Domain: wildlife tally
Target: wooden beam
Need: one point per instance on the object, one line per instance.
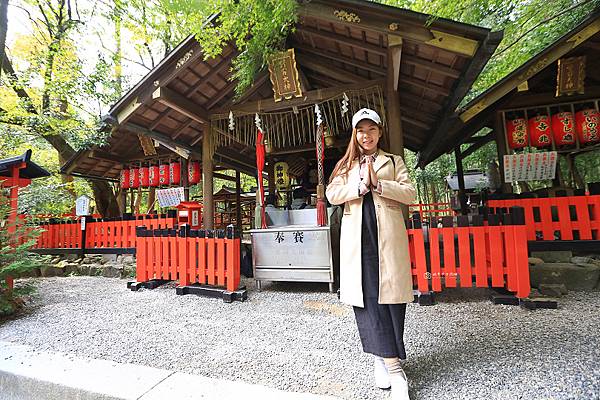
(229, 87)
(430, 66)
(477, 144)
(425, 85)
(388, 25)
(183, 126)
(159, 136)
(415, 100)
(180, 104)
(126, 113)
(224, 177)
(394, 58)
(308, 98)
(392, 99)
(415, 122)
(103, 155)
(327, 69)
(225, 61)
(532, 100)
(159, 118)
(340, 58)
(359, 44)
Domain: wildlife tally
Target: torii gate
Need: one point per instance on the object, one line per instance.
(17, 172)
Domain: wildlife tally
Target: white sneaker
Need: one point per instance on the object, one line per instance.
(399, 387)
(382, 378)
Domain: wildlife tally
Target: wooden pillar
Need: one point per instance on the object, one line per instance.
(502, 149)
(207, 182)
(184, 179)
(151, 199)
(461, 182)
(271, 173)
(238, 200)
(394, 123)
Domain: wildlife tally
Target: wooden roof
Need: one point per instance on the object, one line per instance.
(339, 44)
(539, 73)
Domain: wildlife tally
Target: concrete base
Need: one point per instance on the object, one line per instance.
(26, 373)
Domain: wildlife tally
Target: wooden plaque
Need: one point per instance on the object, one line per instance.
(284, 75)
(571, 76)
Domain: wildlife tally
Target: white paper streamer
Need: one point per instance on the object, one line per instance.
(258, 122)
(231, 121)
(318, 113)
(345, 102)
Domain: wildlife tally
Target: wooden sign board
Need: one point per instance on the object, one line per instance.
(571, 76)
(284, 75)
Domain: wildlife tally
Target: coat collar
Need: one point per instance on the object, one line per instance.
(381, 159)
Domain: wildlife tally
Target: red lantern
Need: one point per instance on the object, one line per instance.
(563, 129)
(540, 133)
(193, 172)
(586, 125)
(516, 131)
(175, 172)
(153, 176)
(144, 173)
(125, 178)
(163, 174)
(134, 178)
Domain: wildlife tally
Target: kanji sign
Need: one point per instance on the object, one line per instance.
(284, 75)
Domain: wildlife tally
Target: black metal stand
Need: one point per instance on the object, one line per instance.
(211, 291)
(151, 284)
(425, 299)
(532, 304)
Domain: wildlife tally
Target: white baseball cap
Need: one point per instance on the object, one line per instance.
(365, 113)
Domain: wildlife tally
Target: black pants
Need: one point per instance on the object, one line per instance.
(380, 326)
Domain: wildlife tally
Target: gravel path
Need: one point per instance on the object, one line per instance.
(300, 338)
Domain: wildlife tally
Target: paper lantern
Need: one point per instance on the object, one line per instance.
(163, 174)
(193, 172)
(540, 133)
(175, 172)
(134, 178)
(144, 174)
(586, 126)
(153, 176)
(125, 178)
(563, 128)
(516, 132)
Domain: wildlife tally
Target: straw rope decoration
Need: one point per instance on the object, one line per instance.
(292, 127)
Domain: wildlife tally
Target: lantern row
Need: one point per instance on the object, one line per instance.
(159, 175)
(561, 128)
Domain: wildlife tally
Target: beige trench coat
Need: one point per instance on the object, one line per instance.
(395, 279)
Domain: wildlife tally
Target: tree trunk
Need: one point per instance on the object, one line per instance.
(3, 28)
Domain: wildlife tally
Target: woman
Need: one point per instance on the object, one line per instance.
(375, 276)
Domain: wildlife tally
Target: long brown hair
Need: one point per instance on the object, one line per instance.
(353, 153)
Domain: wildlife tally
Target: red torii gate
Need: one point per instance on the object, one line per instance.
(15, 173)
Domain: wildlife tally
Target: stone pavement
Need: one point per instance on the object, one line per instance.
(27, 374)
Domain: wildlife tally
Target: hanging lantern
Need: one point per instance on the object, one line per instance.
(563, 128)
(516, 131)
(282, 178)
(153, 175)
(125, 178)
(144, 174)
(586, 125)
(175, 172)
(193, 172)
(329, 138)
(540, 133)
(163, 174)
(134, 178)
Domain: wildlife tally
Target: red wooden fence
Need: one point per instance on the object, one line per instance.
(492, 255)
(99, 233)
(558, 218)
(189, 256)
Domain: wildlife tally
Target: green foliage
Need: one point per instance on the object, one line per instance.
(15, 255)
